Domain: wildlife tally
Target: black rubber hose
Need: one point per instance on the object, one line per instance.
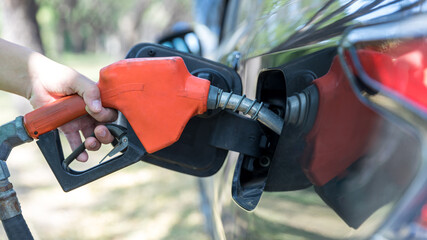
(16, 228)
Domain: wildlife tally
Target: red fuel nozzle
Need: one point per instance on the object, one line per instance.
(158, 96)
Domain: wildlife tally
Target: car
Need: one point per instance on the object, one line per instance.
(348, 77)
(336, 143)
(336, 146)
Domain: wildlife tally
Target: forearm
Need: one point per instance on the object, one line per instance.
(41, 80)
(15, 75)
(20, 67)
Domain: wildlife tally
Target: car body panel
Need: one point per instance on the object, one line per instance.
(268, 34)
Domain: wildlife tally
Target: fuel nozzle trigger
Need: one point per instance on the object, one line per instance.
(125, 141)
(120, 143)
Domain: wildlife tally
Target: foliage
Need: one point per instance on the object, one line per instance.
(105, 25)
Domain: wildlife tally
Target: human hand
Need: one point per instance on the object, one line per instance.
(51, 81)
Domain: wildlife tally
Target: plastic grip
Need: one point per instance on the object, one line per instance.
(54, 115)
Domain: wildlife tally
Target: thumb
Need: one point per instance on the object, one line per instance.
(89, 91)
(92, 98)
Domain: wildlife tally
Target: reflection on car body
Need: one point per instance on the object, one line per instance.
(348, 78)
(348, 172)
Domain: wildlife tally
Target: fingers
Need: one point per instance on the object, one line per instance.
(105, 115)
(92, 144)
(71, 132)
(103, 136)
(92, 97)
(89, 91)
(87, 126)
(74, 140)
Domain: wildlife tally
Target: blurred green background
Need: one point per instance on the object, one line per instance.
(139, 202)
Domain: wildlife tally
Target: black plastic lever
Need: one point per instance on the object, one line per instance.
(115, 130)
(50, 145)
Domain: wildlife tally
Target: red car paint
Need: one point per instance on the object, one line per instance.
(344, 125)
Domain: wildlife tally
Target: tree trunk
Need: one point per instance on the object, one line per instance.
(20, 25)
